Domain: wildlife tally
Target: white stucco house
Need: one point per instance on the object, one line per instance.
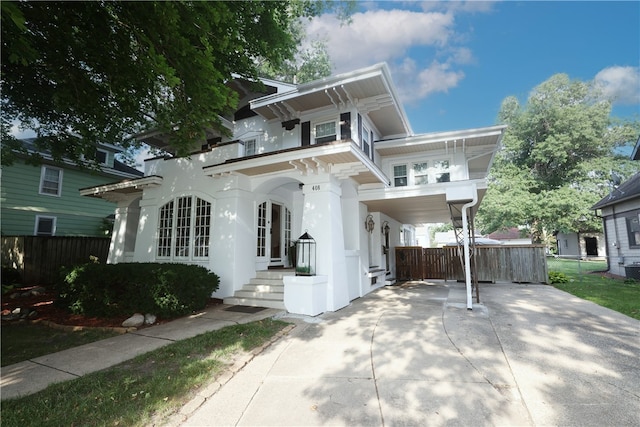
(335, 158)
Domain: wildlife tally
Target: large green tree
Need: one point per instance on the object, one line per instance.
(558, 155)
(78, 73)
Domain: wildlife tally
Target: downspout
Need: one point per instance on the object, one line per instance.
(467, 255)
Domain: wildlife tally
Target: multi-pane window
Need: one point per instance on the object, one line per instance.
(165, 230)
(326, 132)
(420, 173)
(184, 228)
(250, 147)
(441, 170)
(400, 175)
(50, 181)
(287, 231)
(45, 225)
(261, 243)
(365, 140)
(202, 228)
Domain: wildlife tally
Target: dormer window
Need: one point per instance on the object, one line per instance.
(250, 147)
(101, 157)
(326, 132)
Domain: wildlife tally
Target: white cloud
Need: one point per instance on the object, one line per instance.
(414, 84)
(379, 35)
(391, 36)
(620, 85)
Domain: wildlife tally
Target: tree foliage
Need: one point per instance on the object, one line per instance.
(79, 73)
(556, 161)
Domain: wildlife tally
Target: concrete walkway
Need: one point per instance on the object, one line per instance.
(407, 355)
(413, 355)
(36, 374)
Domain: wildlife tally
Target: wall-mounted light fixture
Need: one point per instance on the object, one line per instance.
(385, 227)
(369, 223)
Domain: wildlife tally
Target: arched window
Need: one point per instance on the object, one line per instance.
(184, 228)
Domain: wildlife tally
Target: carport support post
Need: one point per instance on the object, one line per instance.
(467, 255)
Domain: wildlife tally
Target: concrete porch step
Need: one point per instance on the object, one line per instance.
(272, 296)
(254, 302)
(264, 287)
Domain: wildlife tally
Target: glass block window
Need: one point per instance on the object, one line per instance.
(326, 132)
(51, 181)
(420, 173)
(400, 176)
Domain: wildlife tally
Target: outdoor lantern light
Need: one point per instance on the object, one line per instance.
(369, 223)
(306, 255)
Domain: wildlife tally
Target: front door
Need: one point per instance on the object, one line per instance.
(273, 234)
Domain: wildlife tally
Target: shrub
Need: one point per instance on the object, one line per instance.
(10, 276)
(558, 277)
(166, 290)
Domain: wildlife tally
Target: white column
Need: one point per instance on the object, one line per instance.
(322, 219)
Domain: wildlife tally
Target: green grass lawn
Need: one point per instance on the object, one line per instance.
(24, 341)
(585, 282)
(143, 391)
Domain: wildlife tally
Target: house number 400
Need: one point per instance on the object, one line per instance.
(315, 188)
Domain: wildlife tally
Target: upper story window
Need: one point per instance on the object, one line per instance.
(420, 173)
(101, 157)
(51, 181)
(184, 228)
(366, 146)
(400, 176)
(250, 147)
(441, 171)
(326, 132)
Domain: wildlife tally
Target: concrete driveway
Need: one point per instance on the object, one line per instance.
(413, 355)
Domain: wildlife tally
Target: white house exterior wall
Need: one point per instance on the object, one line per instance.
(330, 199)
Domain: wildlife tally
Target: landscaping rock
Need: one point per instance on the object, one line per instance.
(150, 319)
(134, 321)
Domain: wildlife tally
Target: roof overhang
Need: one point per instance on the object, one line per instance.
(160, 139)
(123, 189)
(418, 204)
(343, 159)
(370, 90)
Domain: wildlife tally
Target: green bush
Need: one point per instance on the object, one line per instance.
(558, 277)
(166, 290)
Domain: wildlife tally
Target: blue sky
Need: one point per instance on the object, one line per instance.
(454, 62)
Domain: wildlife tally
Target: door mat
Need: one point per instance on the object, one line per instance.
(244, 309)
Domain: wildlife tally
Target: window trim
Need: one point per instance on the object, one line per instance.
(106, 157)
(54, 221)
(42, 180)
(168, 229)
(405, 176)
(253, 142)
(433, 174)
(631, 234)
(336, 128)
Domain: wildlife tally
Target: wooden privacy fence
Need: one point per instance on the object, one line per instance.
(39, 258)
(520, 264)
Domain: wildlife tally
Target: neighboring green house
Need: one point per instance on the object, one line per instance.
(45, 200)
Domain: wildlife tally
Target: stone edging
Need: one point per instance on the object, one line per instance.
(72, 328)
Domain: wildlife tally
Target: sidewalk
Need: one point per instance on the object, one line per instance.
(36, 374)
(406, 355)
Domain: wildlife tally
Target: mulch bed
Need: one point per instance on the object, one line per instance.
(47, 310)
